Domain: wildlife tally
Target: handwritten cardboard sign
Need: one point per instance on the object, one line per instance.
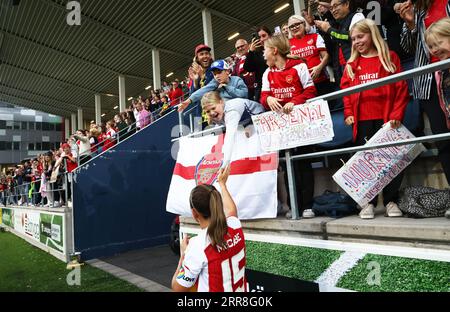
(366, 174)
(307, 124)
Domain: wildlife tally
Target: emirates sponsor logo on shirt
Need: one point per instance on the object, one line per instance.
(303, 52)
(366, 78)
(283, 93)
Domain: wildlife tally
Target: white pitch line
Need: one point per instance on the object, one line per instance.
(339, 268)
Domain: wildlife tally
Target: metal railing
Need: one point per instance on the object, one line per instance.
(11, 196)
(289, 158)
(130, 130)
(20, 195)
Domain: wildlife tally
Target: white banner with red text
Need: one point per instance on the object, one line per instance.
(307, 124)
(366, 174)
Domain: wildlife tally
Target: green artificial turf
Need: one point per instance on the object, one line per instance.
(398, 274)
(24, 267)
(291, 261)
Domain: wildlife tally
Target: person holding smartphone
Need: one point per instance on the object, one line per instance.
(255, 58)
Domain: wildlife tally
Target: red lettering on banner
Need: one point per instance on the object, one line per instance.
(370, 158)
(284, 120)
(366, 170)
(353, 177)
(304, 114)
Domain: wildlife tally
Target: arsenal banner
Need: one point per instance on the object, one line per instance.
(252, 181)
(307, 124)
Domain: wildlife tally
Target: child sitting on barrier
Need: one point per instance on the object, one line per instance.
(437, 37)
(287, 82)
(368, 110)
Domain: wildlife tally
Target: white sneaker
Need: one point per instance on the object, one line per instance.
(367, 212)
(392, 210)
(308, 214)
(56, 204)
(288, 215)
(447, 214)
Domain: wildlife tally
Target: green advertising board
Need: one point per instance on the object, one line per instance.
(52, 231)
(8, 217)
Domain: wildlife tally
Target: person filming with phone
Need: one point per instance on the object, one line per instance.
(255, 58)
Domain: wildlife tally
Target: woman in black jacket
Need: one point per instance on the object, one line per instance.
(255, 61)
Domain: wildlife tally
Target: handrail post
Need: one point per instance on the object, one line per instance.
(66, 184)
(180, 119)
(291, 184)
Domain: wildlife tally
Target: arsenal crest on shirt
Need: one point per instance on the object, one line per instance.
(289, 79)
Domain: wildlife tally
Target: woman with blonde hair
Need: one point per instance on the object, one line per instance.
(231, 114)
(369, 110)
(311, 48)
(287, 83)
(437, 37)
(419, 15)
(284, 74)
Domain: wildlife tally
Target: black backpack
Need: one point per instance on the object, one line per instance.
(424, 202)
(334, 204)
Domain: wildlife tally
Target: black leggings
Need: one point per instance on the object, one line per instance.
(438, 125)
(366, 129)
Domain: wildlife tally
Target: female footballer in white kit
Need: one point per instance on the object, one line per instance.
(213, 261)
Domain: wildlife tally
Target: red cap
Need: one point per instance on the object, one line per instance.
(201, 47)
(65, 145)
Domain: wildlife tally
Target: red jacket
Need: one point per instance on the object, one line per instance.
(175, 96)
(290, 84)
(395, 96)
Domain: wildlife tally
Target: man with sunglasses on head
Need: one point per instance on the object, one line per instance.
(242, 48)
(339, 33)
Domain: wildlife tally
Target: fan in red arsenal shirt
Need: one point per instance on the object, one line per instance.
(311, 48)
(368, 110)
(286, 82)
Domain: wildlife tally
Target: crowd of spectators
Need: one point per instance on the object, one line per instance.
(329, 46)
(340, 48)
(41, 181)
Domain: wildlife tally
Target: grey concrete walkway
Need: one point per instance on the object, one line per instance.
(150, 269)
(125, 275)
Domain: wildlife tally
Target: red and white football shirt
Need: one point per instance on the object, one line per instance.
(290, 84)
(215, 269)
(308, 48)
